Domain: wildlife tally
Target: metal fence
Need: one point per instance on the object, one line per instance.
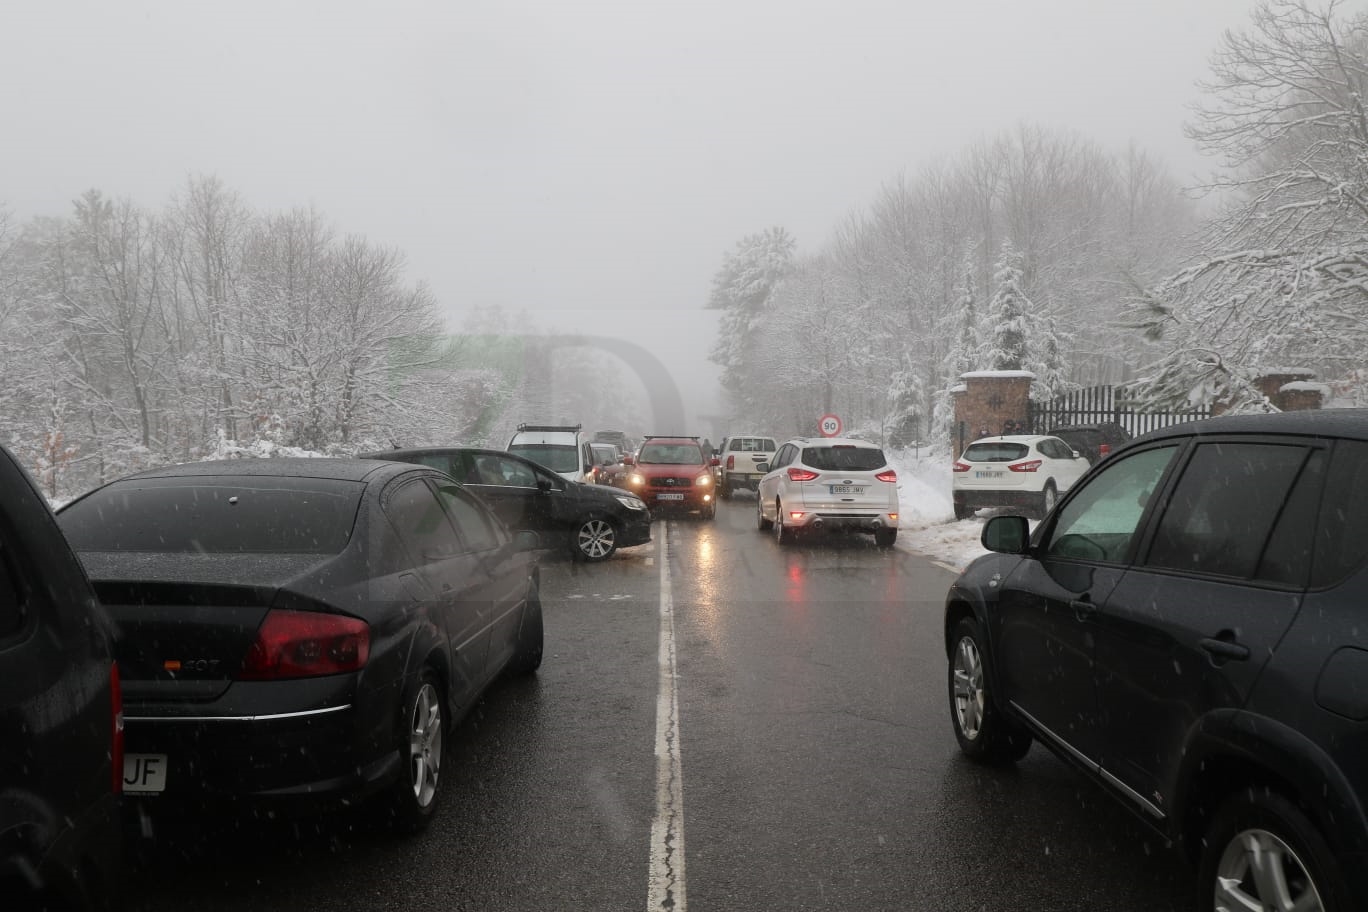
(1098, 404)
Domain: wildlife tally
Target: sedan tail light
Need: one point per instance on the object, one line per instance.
(1103, 449)
(797, 474)
(1025, 466)
(116, 740)
(960, 467)
(305, 644)
(887, 475)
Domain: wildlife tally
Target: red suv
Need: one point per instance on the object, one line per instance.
(673, 473)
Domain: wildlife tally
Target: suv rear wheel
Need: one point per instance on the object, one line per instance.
(1262, 852)
(760, 522)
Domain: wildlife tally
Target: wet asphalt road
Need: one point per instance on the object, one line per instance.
(818, 766)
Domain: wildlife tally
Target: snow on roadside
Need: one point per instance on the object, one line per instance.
(927, 524)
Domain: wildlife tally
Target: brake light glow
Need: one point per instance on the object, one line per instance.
(796, 515)
(1025, 466)
(960, 467)
(305, 644)
(116, 741)
(731, 463)
(1103, 449)
(887, 475)
(797, 474)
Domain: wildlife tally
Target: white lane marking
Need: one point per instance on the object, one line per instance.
(665, 886)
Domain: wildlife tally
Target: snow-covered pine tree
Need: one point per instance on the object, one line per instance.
(1008, 313)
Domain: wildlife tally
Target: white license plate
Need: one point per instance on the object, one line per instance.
(847, 489)
(143, 773)
(676, 496)
(990, 474)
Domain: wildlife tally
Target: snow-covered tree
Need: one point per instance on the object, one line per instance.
(1008, 314)
(742, 289)
(1281, 274)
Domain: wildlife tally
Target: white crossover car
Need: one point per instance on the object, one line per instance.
(829, 484)
(1018, 470)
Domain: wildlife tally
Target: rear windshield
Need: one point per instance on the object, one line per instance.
(671, 454)
(995, 452)
(848, 458)
(215, 516)
(555, 457)
(751, 444)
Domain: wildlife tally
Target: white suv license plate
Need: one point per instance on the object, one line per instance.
(847, 489)
(675, 496)
(990, 474)
(144, 773)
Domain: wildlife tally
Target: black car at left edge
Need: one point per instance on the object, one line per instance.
(590, 521)
(302, 628)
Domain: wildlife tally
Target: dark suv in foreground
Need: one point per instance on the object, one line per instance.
(61, 722)
(1188, 628)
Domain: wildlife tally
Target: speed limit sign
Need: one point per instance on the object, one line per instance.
(829, 426)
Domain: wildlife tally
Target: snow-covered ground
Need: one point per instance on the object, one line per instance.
(928, 525)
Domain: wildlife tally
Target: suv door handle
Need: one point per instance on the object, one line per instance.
(1083, 608)
(1223, 648)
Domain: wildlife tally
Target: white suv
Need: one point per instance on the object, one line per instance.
(564, 449)
(1020, 470)
(828, 483)
(742, 455)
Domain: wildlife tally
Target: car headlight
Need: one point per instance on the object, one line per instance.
(636, 480)
(632, 503)
(704, 479)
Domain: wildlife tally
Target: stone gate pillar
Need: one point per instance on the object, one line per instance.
(989, 403)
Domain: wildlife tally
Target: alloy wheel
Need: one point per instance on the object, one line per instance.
(425, 744)
(1258, 871)
(969, 693)
(596, 539)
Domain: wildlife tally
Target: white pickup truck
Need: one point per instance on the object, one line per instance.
(741, 455)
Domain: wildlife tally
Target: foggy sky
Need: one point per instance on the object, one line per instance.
(586, 161)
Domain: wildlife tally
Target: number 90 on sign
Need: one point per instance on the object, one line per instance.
(829, 425)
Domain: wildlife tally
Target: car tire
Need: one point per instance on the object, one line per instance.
(593, 539)
(710, 511)
(983, 733)
(885, 538)
(962, 511)
(725, 491)
(783, 533)
(1048, 498)
(528, 656)
(1259, 827)
(418, 790)
(761, 523)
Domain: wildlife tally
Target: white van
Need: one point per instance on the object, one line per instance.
(564, 449)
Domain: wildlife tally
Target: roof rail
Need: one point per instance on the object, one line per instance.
(670, 436)
(549, 427)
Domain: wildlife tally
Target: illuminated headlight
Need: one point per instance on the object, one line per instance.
(704, 480)
(635, 480)
(631, 503)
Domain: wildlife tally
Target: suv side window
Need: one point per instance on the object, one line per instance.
(1342, 534)
(1223, 510)
(784, 456)
(1100, 521)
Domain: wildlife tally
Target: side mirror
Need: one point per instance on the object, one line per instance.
(1006, 535)
(1076, 454)
(526, 540)
(543, 486)
(762, 468)
(628, 460)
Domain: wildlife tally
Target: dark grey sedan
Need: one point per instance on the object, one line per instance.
(302, 628)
